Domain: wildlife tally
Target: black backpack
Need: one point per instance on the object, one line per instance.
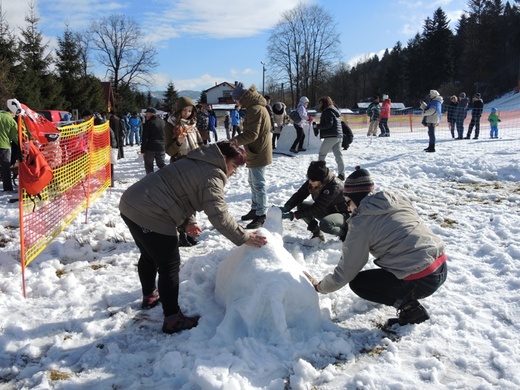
(348, 135)
(295, 116)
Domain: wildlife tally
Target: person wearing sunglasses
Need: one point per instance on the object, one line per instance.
(411, 258)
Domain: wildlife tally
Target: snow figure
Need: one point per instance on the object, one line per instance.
(264, 291)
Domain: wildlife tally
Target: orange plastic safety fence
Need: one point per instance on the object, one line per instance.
(409, 126)
(80, 161)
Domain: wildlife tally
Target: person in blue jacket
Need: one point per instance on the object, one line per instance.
(235, 121)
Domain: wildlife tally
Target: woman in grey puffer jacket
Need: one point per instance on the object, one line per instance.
(156, 205)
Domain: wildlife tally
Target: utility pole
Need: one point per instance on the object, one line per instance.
(263, 77)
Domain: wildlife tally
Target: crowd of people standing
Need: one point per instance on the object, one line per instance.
(160, 210)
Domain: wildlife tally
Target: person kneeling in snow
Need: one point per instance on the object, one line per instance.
(156, 205)
(411, 257)
(327, 206)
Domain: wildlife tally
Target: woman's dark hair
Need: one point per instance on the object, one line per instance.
(325, 102)
(232, 151)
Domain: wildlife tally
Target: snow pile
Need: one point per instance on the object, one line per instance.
(265, 293)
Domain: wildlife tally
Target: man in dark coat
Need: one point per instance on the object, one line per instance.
(152, 143)
(477, 107)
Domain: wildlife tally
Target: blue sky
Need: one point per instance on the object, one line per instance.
(201, 43)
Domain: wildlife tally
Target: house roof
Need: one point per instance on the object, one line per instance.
(224, 83)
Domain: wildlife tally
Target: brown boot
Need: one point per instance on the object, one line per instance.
(177, 322)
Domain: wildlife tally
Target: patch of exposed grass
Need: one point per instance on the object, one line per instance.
(448, 222)
(110, 224)
(59, 375)
(373, 351)
(4, 241)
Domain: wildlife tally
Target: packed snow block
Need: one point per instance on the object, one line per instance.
(265, 294)
(288, 135)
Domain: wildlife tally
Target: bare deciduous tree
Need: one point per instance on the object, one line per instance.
(122, 48)
(303, 48)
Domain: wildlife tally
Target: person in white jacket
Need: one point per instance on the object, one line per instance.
(298, 126)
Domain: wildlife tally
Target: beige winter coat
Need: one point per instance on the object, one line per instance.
(256, 136)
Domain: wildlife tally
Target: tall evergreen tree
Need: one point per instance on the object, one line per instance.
(437, 46)
(36, 86)
(415, 69)
(170, 97)
(69, 67)
(395, 78)
(8, 58)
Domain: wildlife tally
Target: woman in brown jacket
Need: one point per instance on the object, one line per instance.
(156, 205)
(181, 135)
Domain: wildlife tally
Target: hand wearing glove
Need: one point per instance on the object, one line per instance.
(313, 281)
(285, 209)
(289, 215)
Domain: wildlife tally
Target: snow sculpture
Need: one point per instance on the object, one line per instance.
(265, 293)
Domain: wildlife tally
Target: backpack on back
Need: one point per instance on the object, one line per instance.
(348, 135)
(295, 116)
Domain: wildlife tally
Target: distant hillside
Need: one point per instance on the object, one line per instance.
(159, 95)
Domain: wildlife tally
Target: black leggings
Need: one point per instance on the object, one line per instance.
(381, 286)
(300, 137)
(159, 254)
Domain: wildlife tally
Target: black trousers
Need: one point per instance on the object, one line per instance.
(159, 255)
(236, 130)
(381, 286)
(5, 162)
(475, 123)
(300, 137)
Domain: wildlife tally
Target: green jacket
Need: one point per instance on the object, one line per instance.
(256, 136)
(8, 130)
(169, 197)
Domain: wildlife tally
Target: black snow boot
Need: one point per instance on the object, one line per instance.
(412, 312)
(430, 148)
(249, 216)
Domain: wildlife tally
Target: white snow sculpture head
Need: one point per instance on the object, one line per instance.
(265, 293)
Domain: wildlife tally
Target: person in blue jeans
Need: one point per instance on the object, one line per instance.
(432, 117)
(235, 121)
(135, 129)
(212, 125)
(256, 138)
(411, 258)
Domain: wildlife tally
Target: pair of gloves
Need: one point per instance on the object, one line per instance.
(286, 213)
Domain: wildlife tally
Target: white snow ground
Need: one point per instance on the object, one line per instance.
(81, 325)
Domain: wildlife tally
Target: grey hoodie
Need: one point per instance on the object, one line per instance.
(387, 227)
(167, 198)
